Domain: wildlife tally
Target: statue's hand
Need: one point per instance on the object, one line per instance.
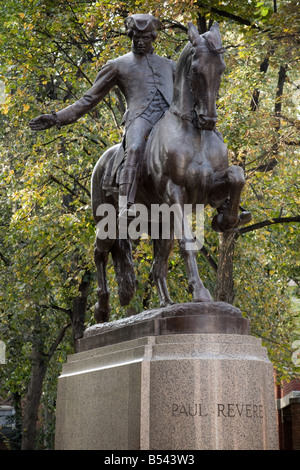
(40, 123)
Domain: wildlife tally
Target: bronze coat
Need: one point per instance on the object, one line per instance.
(137, 76)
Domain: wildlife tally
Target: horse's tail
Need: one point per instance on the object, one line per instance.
(120, 249)
(124, 271)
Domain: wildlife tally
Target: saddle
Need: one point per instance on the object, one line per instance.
(111, 176)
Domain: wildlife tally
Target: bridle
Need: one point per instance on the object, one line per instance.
(192, 116)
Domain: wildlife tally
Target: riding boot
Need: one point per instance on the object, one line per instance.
(127, 192)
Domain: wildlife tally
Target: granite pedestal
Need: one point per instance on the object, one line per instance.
(168, 380)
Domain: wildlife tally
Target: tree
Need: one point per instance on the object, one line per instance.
(46, 276)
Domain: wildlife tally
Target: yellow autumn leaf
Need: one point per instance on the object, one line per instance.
(26, 107)
(5, 110)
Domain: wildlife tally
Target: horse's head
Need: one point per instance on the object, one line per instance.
(206, 69)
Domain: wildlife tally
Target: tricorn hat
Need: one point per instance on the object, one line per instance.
(142, 23)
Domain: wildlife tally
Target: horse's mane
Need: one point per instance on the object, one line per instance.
(184, 57)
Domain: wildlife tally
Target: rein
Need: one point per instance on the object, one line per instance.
(184, 117)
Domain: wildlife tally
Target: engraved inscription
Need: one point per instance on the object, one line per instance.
(189, 409)
(246, 410)
(221, 410)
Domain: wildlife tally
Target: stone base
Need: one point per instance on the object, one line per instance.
(165, 392)
(190, 317)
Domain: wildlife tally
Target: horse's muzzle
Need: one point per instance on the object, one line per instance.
(207, 123)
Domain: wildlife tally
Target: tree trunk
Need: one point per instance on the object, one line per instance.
(282, 75)
(40, 362)
(79, 307)
(39, 365)
(224, 291)
(15, 443)
(38, 372)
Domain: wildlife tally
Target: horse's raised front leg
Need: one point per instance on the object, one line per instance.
(187, 245)
(102, 307)
(228, 217)
(159, 270)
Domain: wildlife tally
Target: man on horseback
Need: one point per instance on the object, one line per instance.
(146, 81)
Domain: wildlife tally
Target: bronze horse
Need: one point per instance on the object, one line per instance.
(185, 162)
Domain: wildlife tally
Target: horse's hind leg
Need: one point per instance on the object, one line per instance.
(159, 271)
(102, 307)
(122, 257)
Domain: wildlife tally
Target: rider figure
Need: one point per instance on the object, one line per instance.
(146, 81)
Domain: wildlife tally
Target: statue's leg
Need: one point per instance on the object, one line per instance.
(102, 307)
(126, 198)
(228, 218)
(187, 244)
(159, 271)
(136, 136)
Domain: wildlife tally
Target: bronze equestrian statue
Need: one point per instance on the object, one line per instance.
(182, 159)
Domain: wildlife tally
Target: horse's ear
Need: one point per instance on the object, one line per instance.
(214, 27)
(193, 33)
(215, 30)
(213, 36)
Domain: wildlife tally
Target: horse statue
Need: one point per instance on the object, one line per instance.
(185, 162)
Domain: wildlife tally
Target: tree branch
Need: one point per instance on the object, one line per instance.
(229, 15)
(264, 223)
(171, 24)
(209, 258)
(282, 74)
(55, 180)
(68, 311)
(50, 261)
(4, 259)
(57, 341)
(74, 179)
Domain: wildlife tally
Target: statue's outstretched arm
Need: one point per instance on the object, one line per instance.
(104, 82)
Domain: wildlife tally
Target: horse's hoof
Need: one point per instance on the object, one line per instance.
(166, 303)
(101, 315)
(203, 296)
(245, 217)
(219, 225)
